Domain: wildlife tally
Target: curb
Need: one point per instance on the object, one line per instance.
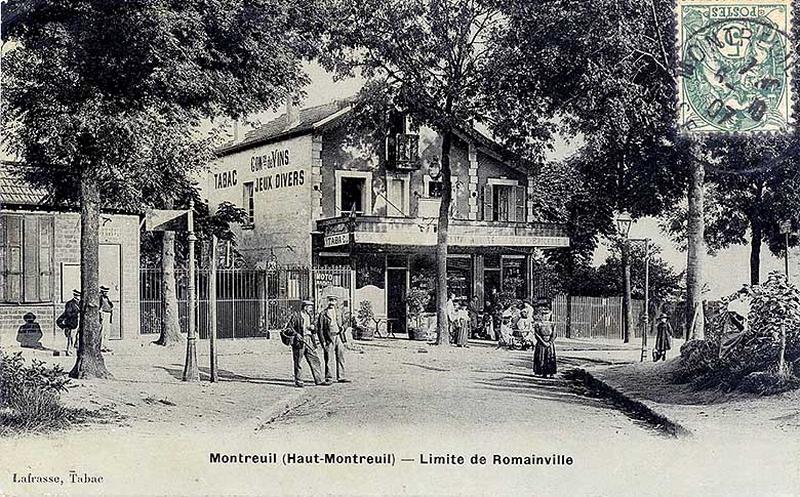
(278, 409)
(632, 407)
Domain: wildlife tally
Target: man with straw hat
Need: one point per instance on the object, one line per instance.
(332, 327)
(69, 319)
(304, 343)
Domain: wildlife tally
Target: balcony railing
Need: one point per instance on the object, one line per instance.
(464, 233)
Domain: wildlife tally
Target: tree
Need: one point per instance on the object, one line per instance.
(604, 71)
(91, 88)
(432, 59)
(749, 193)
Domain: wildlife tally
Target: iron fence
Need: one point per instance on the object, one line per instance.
(250, 302)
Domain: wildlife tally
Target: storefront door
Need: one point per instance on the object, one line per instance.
(396, 299)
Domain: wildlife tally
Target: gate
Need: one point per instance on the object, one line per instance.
(241, 302)
(250, 302)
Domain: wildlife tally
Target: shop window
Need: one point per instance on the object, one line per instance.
(459, 276)
(353, 192)
(249, 204)
(513, 274)
(26, 265)
(370, 270)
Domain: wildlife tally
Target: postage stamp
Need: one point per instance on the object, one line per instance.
(735, 70)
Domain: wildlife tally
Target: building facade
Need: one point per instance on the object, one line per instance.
(40, 265)
(322, 188)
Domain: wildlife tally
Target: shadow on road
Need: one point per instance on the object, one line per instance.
(229, 376)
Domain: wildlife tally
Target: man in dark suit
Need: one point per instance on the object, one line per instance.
(332, 327)
(304, 343)
(70, 319)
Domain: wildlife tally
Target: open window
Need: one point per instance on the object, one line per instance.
(353, 192)
(503, 200)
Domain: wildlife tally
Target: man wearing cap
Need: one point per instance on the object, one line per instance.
(69, 319)
(106, 306)
(332, 328)
(304, 343)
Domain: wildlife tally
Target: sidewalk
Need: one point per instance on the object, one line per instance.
(707, 414)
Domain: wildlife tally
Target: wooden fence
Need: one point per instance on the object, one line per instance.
(596, 317)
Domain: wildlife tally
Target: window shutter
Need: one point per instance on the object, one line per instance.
(30, 255)
(488, 203)
(13, 240)
(3, 274)
(520, 200)
(45, 259)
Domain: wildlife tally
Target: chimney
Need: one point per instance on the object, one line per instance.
(292, 113)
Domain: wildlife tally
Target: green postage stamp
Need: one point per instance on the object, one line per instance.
(736, 63)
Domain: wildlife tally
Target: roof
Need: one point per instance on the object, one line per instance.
(15, 189)
(312, 118)
(275, 130)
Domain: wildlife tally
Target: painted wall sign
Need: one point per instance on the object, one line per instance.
(225, 179)
(275, 158)
(279, 180)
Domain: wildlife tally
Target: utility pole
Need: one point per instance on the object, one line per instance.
(646, 298)
(190, 370)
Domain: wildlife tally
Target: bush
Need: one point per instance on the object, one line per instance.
(16, 379)
(751, 365)
(776, 309)
(29, 394)
(768, 383)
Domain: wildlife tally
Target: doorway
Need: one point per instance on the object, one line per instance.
(396, 300)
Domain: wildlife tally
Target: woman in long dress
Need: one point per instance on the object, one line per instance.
(544, 353)
(663, 338)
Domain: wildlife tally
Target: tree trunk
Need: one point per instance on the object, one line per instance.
(782, 369)
(627, 314)
(696, 251)
(170, 327)
(755, 251)
(89, 362)
(442, 325)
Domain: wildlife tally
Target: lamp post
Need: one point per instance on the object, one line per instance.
(190, 370)
(624, 222)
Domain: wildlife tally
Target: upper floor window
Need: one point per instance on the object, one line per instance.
(397, 195)
(26, 258)
(249, 203)
(503, 200)
(353, 192)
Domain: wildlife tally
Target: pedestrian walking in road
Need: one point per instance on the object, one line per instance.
(663, 338)
(69, 320)
(304, 343)
(462, 323)
(544, 352)
(106, 307)
(332, 328)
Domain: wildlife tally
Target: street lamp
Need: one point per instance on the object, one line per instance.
(624, 222)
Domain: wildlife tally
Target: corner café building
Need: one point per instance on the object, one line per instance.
(300, 176)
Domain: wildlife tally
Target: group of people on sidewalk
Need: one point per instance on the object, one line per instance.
(305, 332)
(515, 327)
